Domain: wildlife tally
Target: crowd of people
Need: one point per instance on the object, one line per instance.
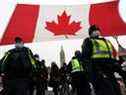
(92, 68)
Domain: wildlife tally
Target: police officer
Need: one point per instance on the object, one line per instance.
(97, 54)
(80, 83)
(17, 66)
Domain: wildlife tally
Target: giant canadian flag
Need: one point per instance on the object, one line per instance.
(35, 23)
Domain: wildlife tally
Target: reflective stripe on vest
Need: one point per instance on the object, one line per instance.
(6, 56)
(76, 66)
(101, 50)
(31, 59)
(3, 62)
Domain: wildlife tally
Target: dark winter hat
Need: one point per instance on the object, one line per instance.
(77, 53)
(93, 28)
(18, 39)
(43, 61)
(36, 56)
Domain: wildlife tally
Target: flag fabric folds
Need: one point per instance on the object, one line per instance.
(35, 23)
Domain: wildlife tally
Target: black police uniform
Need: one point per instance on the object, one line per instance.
(17, 67)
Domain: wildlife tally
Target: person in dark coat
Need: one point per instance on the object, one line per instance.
(54, 77)
(97, 54)
(80, 83)
(17, 66)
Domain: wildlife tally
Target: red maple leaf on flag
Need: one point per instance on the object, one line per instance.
(63, 27)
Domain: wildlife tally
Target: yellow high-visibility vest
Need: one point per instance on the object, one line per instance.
(102, 49)
(76, 66)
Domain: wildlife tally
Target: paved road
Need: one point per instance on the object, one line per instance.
(51, 93)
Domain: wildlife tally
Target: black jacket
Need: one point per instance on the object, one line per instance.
(41, 71)
(18, 63)
(95, 64)
(107, 65)
(87, 50)
(54, 74)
